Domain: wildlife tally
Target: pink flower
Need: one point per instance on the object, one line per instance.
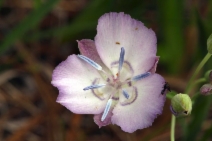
(114, 78)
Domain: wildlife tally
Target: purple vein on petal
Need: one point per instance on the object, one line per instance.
(107, 108)
(121, 58)
(141, 76)
(91, 62)
(94, 87)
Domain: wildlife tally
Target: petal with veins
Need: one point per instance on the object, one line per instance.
(106, 121)
(153, 69)
(70, 77)
(87, 48)
(142, 112)
(116, 30)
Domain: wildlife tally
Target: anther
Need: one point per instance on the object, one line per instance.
(91, 62)
(141, 76)
(107, 108)
(121, 58)
(126, 95)
(94, 87)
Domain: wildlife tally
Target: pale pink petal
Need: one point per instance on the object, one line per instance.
(116, 30)
(142, 112)
(88, 48)
(107, 120)
(70, 77)
(153, 69)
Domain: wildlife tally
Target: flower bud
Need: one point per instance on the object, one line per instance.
(181, 105)
(209, 44)
(206, 89)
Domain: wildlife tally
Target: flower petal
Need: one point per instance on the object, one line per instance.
(70, 77)
(116, 30)
(87, 48)
(107, 120)
(153, 69)
(141, 112)
(97, 119)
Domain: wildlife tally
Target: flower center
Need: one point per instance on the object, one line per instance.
(122, 83)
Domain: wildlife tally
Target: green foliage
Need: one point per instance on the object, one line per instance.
(171, 23)
(199, 114)
(27, 23)
(209, 44)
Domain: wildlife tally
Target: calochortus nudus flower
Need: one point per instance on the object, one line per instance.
(114, 77)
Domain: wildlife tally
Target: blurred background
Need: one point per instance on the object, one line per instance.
(36, 35)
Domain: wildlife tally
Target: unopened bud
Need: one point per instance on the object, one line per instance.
(206, 89)
(181, 105)
(209, 44)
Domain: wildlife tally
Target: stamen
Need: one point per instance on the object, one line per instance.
(91, 62)
(94, 87)
(141, 76)
(121, 58)
(107, 108)
(132, 98)
(126, 95)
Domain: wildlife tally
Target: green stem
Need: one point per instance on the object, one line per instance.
(202, 63)
(189, 87)
(201, 80)
(173, 127)
(198, 81)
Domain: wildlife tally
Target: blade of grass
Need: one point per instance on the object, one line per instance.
(26, 24)
(171, 23)
(87, 20)
(207, 134)
(199, 114)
